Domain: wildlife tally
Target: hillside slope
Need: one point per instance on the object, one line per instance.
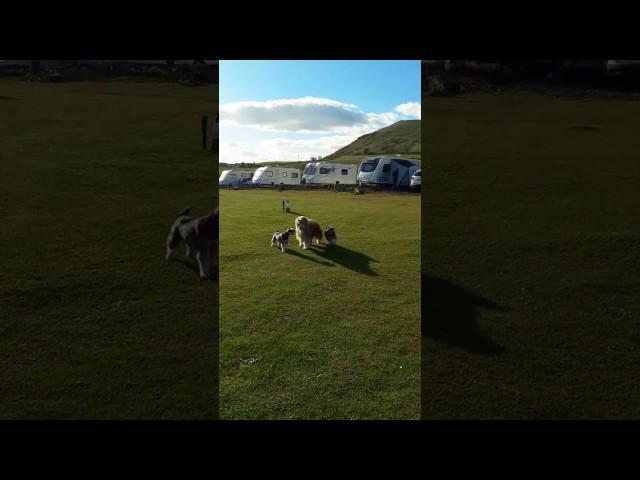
(401, 137)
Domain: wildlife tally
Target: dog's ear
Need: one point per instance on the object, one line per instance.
(184, 212)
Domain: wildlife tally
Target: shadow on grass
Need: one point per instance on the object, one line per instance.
(345, 257)
(449, 314)
(291, 251)
(193, 266)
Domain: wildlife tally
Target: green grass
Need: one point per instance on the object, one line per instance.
(532, 258)
(93, 322)
(331, 332)
(403, 136)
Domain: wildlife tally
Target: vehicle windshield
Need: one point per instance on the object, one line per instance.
(309, 170)
(369, 165)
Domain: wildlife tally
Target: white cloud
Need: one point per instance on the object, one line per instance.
(410, 109)
(307, 114)
(287, 149)
(297, 129)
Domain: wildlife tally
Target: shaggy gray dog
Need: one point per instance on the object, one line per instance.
(200, 236)
(307, 230)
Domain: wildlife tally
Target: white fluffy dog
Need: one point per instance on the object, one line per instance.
(306, 231)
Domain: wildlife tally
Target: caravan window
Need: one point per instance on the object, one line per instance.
(370, 165)
(325, 170)
(345, 171)
(284, 174)
(294, 174)
(268, 173)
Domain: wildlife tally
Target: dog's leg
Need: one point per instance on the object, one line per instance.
(202, 259)
(173, 240)
(283, 246)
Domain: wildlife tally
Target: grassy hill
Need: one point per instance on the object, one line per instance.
(401, 137)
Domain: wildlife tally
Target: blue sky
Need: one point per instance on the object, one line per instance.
(285, 110)
(375, 86)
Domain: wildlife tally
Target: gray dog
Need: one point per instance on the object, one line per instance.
(200, 236)
(281, 239)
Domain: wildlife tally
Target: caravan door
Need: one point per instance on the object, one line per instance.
(385, 172)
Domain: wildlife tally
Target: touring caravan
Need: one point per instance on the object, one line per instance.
(392, 171)
(330, 173)
(234, 177)
(277, 176)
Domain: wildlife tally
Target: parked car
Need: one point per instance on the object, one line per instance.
(416, 180)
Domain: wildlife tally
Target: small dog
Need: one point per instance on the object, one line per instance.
(306, 231)
(330, 235)
(281, 239)
(200, 236)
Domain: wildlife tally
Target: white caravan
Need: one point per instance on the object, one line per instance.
(330, 173)
(387, 171)
(277, 176)
(234, 177)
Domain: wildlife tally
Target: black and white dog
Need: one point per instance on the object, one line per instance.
(200, 236)
(281, 239)
(330, 235)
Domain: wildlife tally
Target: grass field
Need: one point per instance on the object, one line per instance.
(331, 332)
(531, 258)
(93, 323)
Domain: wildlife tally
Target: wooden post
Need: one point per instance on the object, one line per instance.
(205, 120)
(215, 138)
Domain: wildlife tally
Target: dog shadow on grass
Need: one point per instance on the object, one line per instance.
(193, 266)
(450, 315)
(291, 251)
(347, 258)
